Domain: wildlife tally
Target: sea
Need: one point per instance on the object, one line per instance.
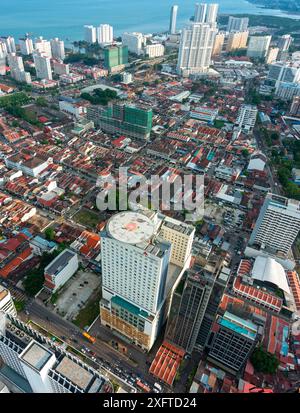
(65, 18)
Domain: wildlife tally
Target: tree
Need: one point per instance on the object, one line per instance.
(245, 153)
(50, 234)
(34, 282)
(41, 101)
(264, 362)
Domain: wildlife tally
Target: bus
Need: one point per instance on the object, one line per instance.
(143, 386)
(89, 337)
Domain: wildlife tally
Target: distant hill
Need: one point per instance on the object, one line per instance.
(286, 5)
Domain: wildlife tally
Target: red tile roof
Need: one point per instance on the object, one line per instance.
(166, 362)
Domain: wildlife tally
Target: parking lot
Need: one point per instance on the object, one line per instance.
(76, 293)
(224, 215)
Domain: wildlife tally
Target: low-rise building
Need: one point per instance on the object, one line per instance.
(6, 302)
(60, 270)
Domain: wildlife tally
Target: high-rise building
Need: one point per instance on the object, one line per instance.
(295, 106)
(139, 273)
(6, 302)
(221, 279)
(218, 44)
(281, 72)
(90, 34)
(3, 49)
(17, 71)
(206, 13)
(105, 34)
(236, 41)
(43, 46)
(272, 55)
(173, 19)
(115, 56)
(234, 339)
(284, 42)
(247, 116)
(258, 46)
(195, 50)
(10, 44)
(134, 274)
(134, 41)
(287, 90)
(181, 236)
(197, 41)
(189, 302)
(42, 66)
(277, 225)
(237, 24)
(58, 49)
(26, 46)
(121, 118)
(37, 365)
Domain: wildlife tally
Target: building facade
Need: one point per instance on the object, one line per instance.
(134, 41)
(173, 19)
(41, 366)
(26, 46)
(122, 118)
(197, 41)
(60, 270)
(236, 41)
(237, 24)
(90, 34)
(258, 46)
(277, 225)
(58, 49)
(234, 339)
(6, 302)
(105, 34)
(42, 66)
(134, 273)
(115, 56)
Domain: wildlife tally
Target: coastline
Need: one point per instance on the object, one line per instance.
(263, 6)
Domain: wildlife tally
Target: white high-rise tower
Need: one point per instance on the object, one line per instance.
(105, 34)
(58, 49)
(90, 34)
(173, 19)
(277, 225)
(197, 41)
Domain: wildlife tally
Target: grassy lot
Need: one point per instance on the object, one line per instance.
(87, 218)
(88, 314)
(219, 124)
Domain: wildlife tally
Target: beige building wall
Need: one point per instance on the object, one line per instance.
(218, 45)
(272, 55)
(237, 41)
(181, 237)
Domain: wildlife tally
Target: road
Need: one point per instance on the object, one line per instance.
(108, 357)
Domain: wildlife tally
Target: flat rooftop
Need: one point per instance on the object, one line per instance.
(178, 226)
(130, 227)
(36, 355)
(60, 262)
(74, 372)
(239, 325)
